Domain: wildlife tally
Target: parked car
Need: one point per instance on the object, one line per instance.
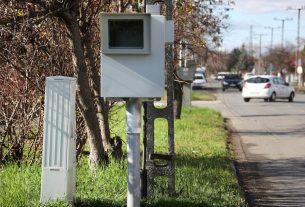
(199, 81)
(267, 87)
(232, 81)
(221, 75)
(200, 70)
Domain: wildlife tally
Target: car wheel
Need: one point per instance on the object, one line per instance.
(265, 99)
(246, 99)
(272, 97)
(291, 97)
(223, 89)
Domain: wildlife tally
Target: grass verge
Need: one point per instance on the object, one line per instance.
(203, 173)
(299, 89)
(203, 96)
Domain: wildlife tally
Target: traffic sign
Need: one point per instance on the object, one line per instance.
(299, 69)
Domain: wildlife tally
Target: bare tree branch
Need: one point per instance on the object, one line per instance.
(21, 72)
(32, 16)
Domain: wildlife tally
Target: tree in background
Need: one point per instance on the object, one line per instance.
(282, 59)
(239, 60)
(234, 58)
(216, 61)
(198, 26)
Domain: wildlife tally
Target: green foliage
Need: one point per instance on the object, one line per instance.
(233, 58)
(242, 60)
(238, 60)
(203, 173)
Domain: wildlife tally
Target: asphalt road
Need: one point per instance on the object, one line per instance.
(270, 144)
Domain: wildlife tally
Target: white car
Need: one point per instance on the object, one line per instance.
(268, 88)
(221, 75)
(199, 81)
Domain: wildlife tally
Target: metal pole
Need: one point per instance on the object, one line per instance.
(251, 41)
(298, 37)
(260, 53)
(249, 49)
(283, 24)
(298, 49)
(133, 127)
(298, 61)
(271, 39)
(271, 43)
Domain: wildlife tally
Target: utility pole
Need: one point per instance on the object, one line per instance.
(260, 53)
(283, 26)
(298, 59)
(251, 41)
(271, 40)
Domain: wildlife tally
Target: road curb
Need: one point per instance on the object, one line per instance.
(244, 172)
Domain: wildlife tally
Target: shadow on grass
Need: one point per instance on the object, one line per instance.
(95, 203)
(174, 203)
(215, 162)
(161, 203)
(194, 168)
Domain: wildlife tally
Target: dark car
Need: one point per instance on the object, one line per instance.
(232, 81)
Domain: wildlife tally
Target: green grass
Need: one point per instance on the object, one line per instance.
(203, 96)
(203, 173)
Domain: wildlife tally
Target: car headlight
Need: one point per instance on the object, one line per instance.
(225, 83)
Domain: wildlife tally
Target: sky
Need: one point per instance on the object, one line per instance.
(261, 14)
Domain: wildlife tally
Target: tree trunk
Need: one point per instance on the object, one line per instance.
(177, 99)
(102, 106)
(87, 107)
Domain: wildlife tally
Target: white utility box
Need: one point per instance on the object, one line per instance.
(133, 55)
(59, 140)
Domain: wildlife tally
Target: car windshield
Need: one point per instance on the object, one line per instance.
(232, 77)
(198, 77)
(258, 80)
